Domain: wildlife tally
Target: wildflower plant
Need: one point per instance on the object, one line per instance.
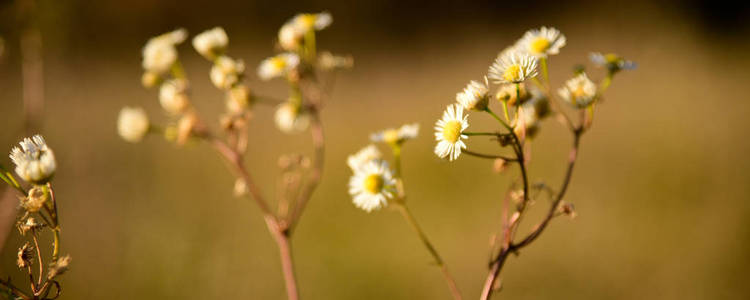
(35, 166)
(522, 90)
(298, 64)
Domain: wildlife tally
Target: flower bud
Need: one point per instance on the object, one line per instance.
(36, 198)
(132, 124)
(211, 43)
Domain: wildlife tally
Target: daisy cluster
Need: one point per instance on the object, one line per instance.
(163, 69)
(524, 96)
(373, 182)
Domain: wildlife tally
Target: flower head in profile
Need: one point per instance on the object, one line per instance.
(363, 156)
(449, 132)
(173, 96)
(541, 42)
(226, 72)
(35, 162)
(132, 124)
(372, 185)
(211, 43)
(579, 91)
(238, 99)
(278, 66)
(396, 136)
(475, 96)
(513, 67)
(532, 112)
(613, 62)
(294, 30)
(328, 61)
(291, 118)
(160, 54)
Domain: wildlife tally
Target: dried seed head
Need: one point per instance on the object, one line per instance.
(38, 195)
(25, 256)
(29, 224)
(567, 209)
(59, 267)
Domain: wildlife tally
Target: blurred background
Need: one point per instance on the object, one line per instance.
(661, 188)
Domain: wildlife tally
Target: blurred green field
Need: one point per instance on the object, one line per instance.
(661, 188)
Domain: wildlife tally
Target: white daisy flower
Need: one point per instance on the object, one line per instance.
(541, 42)
(372, 185)
(160, 54)
(449, 132)
(132, 124)
(475, 96)
(290, 118)
(35, 162)
(173, 96)
(395, 136)
(363, 156)
(579, 91)
(612, 62)
(289, 37)
(307, 22)
(226, 72)
(211, 43)
(513, 67)
(277, 66)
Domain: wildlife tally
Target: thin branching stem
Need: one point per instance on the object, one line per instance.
(489, 156)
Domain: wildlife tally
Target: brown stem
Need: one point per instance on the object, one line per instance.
(513, 247)
(39, 258)
(318, 141)
(279, 233)
(14, 289)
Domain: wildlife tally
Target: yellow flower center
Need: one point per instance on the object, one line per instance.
(374, 183)
(578, 92)
(611, 58)
(307, 21)
(390, 136)
(512, 73)
(539, 45)
(452, 131)
(278, 63)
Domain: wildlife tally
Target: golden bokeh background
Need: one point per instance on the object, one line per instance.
(661, 187)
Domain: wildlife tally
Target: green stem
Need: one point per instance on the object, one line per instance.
(545, 74)
(489, 111)
(397, 160)
(430, 248)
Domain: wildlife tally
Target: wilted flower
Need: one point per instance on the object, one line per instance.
(328, 61)
(25, 255)
(372, 185)
(475, 96)
(160, 54)
(579, 91)
(395, 136)
(36, 198)
(29, 224)
(35, 162)
(226, 72)
(363, 156)
(132, 124)
(613, 62)
(59, 267)
(513, 67)
(449, 132)
(173, 96)
(541, 42)
(277, 66)
(291, 118)
(211, 43)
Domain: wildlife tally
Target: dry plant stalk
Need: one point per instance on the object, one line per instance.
(35, 164)
(525, 100)
(303, 69)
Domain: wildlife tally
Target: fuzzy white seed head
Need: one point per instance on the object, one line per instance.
(34, 160)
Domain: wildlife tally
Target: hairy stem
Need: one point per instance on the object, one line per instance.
(318, 141)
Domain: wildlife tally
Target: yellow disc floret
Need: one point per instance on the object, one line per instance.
(452, 131)
(373, 183)
(512, 73)
(539, 45)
